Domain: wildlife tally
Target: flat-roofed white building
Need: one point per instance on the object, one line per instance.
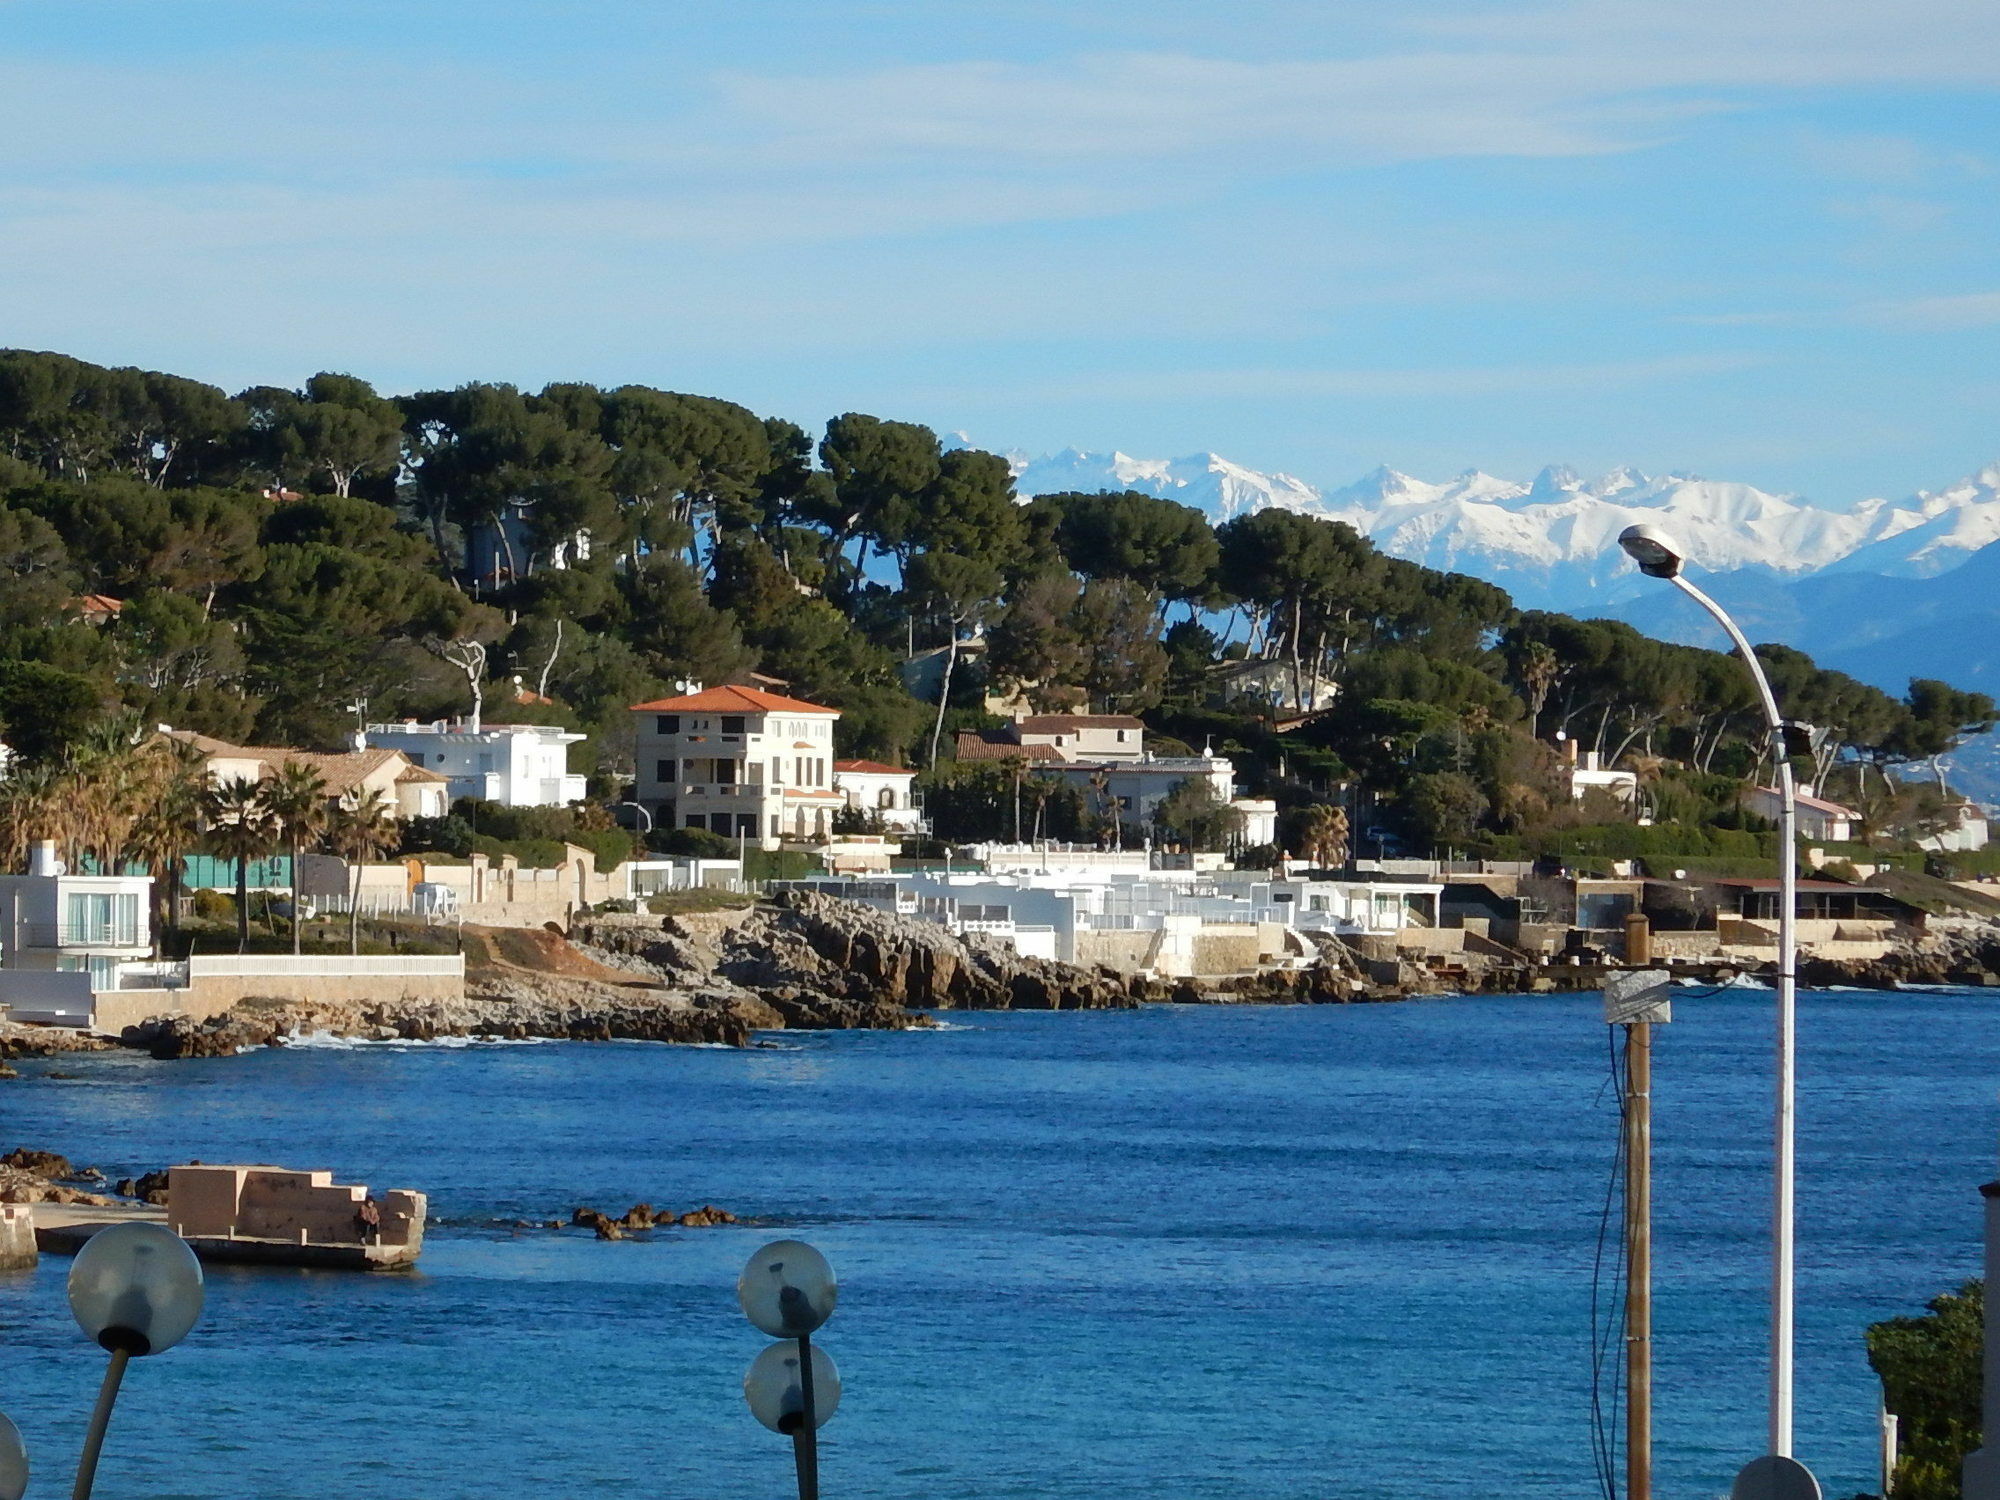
(739, 762)
(516, 765)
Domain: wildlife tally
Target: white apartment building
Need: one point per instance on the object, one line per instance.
(738, 761)
(516, 765)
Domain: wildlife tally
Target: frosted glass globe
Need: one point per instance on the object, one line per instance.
(771, 1386)
(787, 1289)
(135, 1287)
(14, 1461)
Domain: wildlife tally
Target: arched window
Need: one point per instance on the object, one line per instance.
(886, 798)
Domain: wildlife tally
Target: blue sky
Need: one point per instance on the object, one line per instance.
(1751, 240)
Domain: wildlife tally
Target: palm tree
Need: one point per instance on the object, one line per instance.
(296, 798)
(36, 803)
(1325, 835)
(167, 827)
(357, 834)
(240, 828)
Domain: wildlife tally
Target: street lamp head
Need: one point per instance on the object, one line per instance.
(787, 1289)
(777, 1395)
(135, 1288)
(1653, 550)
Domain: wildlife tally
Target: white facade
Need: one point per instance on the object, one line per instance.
(55, 922)
(1138, 787)
(1045, 913)
(739, 762)
(1590, 775)
(1085, 736)
(880, 791)
(516, 765)
(1818, 818)
(1965, 831)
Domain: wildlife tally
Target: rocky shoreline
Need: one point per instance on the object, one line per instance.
(799, 961)
(802, 961)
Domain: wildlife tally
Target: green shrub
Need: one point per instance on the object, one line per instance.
(538, 854)
(451, 835)
(1930, 1370)
(691, 843)
(214, 906)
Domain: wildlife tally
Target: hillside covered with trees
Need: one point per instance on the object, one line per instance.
(274, 566)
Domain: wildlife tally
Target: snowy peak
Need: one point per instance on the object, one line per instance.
(1206, 481)
(1553, 542)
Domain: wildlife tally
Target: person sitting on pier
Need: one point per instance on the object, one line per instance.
(368, 1221)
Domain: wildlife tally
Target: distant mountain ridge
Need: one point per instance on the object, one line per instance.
(1553, 541)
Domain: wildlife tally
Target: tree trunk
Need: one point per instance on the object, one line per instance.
(243, 903)
(944, 693)
(292, 855)
(354, 909)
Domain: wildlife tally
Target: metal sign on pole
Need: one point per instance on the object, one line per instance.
(1638, 999)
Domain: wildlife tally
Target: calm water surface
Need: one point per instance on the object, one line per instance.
(1259, 1252)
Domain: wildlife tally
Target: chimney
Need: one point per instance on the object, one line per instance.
(42, 859)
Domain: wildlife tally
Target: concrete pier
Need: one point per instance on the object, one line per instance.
(264, 1216)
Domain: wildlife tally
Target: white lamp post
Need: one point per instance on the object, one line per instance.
(136, 1289)
(1659, 557)
(788, 1290)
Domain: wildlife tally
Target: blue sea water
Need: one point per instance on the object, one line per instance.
(1336, 1251)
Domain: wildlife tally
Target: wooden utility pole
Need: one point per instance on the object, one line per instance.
(1639, 1261)
(1636, 999)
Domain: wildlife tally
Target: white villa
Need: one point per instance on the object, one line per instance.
(516, 765)
(1965, 830)
(885, 792)
(1818, 818)
(1104, 756)
(740, 762)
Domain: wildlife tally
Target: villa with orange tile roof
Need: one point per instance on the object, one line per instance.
(738, 761)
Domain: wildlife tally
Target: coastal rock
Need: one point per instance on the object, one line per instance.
(1955, 951)
(18, 1185)
(42, 1163)
(19, 1040)
(606, 1227)
(800, 961)
(822, 962)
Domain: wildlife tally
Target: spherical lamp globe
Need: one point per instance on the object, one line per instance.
(787, 1289)
(776, 1396)
(13, 1461)
(135, 1288)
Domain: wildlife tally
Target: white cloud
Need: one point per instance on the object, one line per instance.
(1941, 314)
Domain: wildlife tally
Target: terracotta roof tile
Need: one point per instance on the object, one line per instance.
(732, 699)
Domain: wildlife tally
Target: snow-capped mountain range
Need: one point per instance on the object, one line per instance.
(1553, 543)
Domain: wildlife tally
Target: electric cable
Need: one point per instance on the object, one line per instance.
(1607, 1331)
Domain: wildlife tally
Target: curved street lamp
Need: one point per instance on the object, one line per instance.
(136, 1289)
(1658, 556)
(788, 1291)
